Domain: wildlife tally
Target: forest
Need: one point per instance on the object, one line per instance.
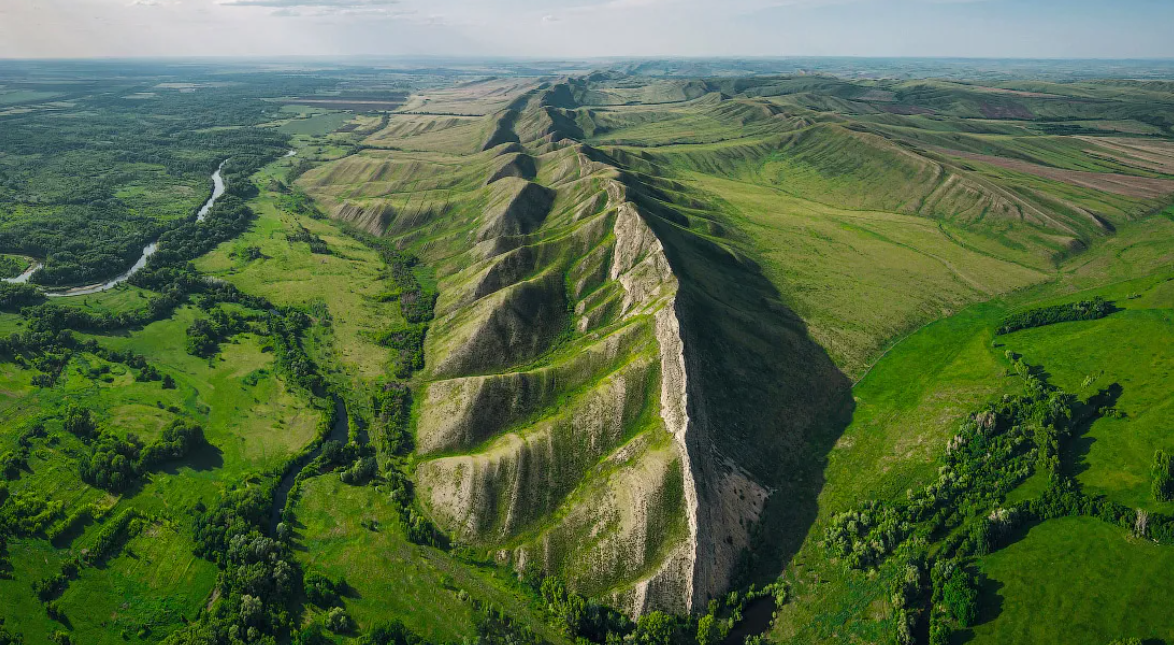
(85, 195)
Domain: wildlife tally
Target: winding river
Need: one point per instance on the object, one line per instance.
(339, 432)
(148, 251)
(28, 273)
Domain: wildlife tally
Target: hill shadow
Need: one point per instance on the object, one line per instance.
(1074, 455)
(206, 457)
(990, 606)
(767, 398)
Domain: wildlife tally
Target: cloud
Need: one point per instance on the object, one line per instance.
(322, 8)
(316, 5)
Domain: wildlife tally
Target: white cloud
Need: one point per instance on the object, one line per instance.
(316, 4)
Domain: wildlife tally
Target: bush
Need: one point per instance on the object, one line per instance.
(392, 633)
(656, 628)
(960, 597)
(1084, 310)
(14, 296)
(179, 439)
(321, 591)
(361, 472)
(1162, 473)
(113, 464)
(338, 621)
(79, 421)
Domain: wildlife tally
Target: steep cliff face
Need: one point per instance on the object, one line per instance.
(610, 395)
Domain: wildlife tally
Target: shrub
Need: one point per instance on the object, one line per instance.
(320, 590)
(960, 597)
(338, 621)
(1084, 310)
(656, 628)
(13, 296)
(1162, 473)
(79, 421)
(178, 440)
(392, 633)
(113, 464)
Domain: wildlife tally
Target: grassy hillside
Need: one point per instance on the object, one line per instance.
(525, 352)
(866, 209)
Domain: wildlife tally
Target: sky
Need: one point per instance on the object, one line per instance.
(587, 28)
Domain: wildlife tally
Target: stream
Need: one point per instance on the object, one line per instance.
(28, 273)
(756, 620)
(339, 432)
(148, 250)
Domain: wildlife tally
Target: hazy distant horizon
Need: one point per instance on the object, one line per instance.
(589, 29)
(472, 58)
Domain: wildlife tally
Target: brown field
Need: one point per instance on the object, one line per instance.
(343, 103)
(1154, 155)
(1127, 185)
(477, 98)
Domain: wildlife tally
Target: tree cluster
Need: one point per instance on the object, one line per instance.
(1098, 307)
(115, 464)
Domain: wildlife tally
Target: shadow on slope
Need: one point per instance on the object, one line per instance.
(771, 401)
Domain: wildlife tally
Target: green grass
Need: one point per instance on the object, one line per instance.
(1131, 349)
(912, 399)
(347, 281)
(251, 428)
(155, 583)
(391, 577)
(1075, 581)
(316, 124)
(827, 262)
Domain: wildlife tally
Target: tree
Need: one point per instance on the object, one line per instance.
(320, 590)
(960, 596)
(710, 631)
(311, 635)
(392, 633)
(338, 621)
(1162, 473)
(655, 628)
(79, 421)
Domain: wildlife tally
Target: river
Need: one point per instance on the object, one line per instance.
(148, 250)
(756, 620)
(339, 432)
(28, 273)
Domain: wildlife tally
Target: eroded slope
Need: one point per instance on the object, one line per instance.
(609, 394)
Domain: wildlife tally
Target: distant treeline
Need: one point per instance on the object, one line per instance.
(1098, 307)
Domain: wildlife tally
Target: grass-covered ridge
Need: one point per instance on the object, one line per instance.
(833, 208)
(525, 352)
